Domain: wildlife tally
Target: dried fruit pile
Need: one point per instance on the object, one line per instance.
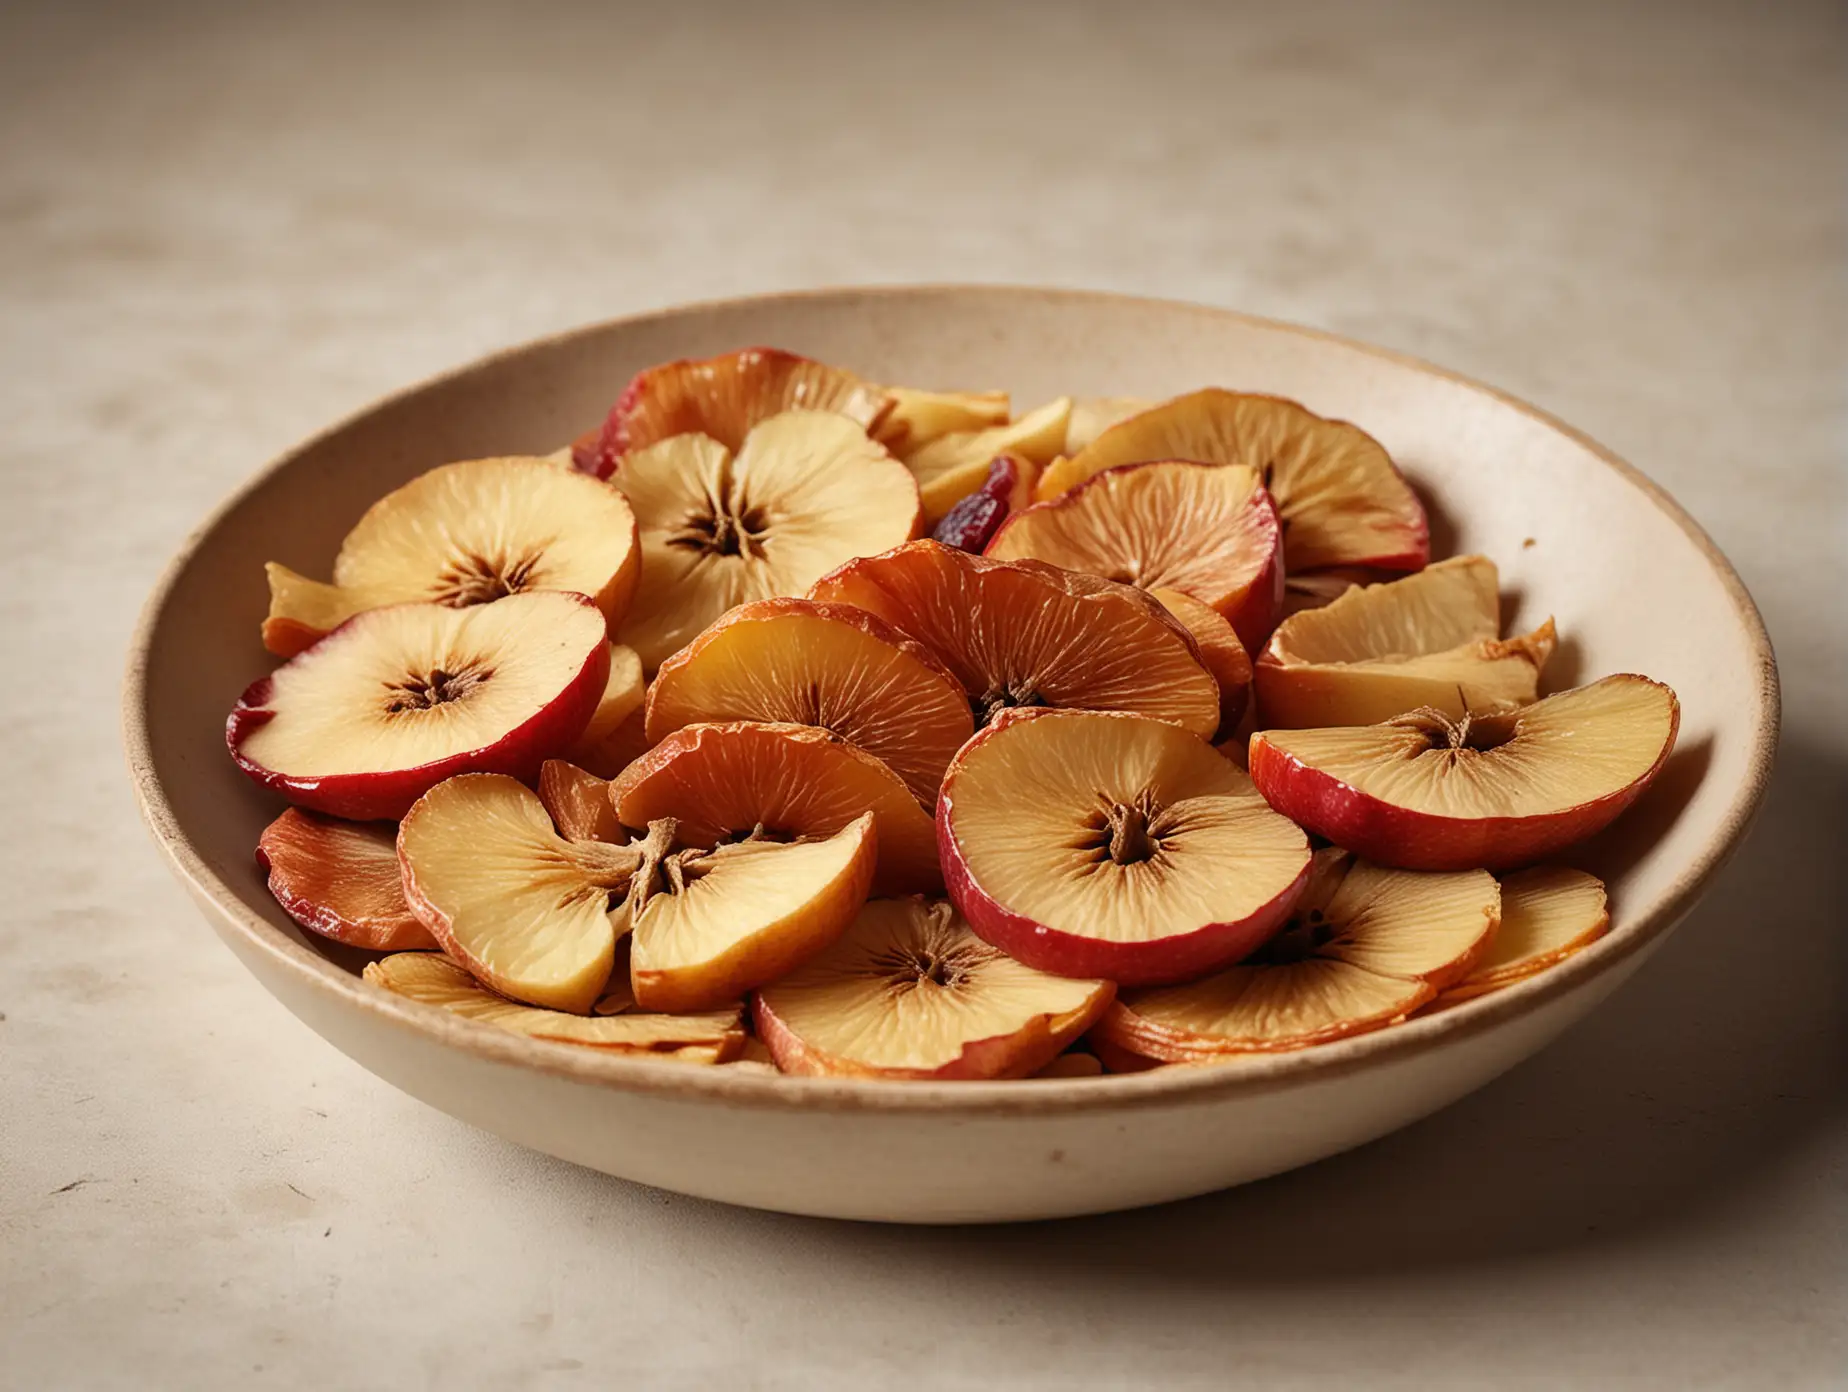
(795, 722)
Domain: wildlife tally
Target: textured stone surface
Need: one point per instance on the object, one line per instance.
(222, 227)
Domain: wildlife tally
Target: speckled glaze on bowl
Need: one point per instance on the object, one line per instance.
(1633, 582)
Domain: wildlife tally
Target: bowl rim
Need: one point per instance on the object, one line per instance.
(748, 1088)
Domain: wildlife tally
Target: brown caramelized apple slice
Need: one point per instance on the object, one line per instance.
(1425, 792)
(1342, 501)
(793, 661)
(803, 493)
(910, 992)
(467, 534)
(1378, 651)
(340, 879)
(709, 1037)
(1364, 947)
(1020, 633)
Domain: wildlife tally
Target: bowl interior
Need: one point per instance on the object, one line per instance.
(1633, 585)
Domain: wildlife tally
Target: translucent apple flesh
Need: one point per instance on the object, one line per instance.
(1208, 531)
(1020, 633)
(722, 782)
(397, 699)
(1364, 947)
(794, 661)
(340, 879)
(1425, 792)
(805, 491)
(1110, 845)
(466, 534)
(911, 992)
(1427, 640)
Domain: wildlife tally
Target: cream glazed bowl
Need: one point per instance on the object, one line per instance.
(1633, 582)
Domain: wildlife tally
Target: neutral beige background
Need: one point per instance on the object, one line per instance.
(221, 228)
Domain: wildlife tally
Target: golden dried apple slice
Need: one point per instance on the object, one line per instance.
(1206, 530)
(805, 491)
(622, 697)
(467, 534)
(1377, 651)
(1341, 499)
(1548, 914)
(721, 782)
(725, 398)
(578, 802)
(1092, 415)
(1424, 792)
(1111, 845)
(951, 467)
(1020, 633)
(911, 992)
(742, 914)
(1220, 652)
(340, 879)
(616, 750)
(398, 699)
(709, 1037)
(1364, 947)
(794, 661)
(919, 417)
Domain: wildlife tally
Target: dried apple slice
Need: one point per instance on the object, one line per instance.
(722, 782)
(803, 493)
(1094, 844)
(397, 699)
(578, 802)
(1072, 1065)
(793, 661)
(709, 1037)
(340, 879)
(622, 697)
(1364, 948)
(1427, 640)
(1020, 633)
(1220, 652)
(1092, 415)
(467, 534)
(1205, 530)
(743, 914)
(724, 399)
(1007, 488)
(1548, 914)
(910, 992)
(951, 467)
(919, 417)
(1342, 501)
(1424, 792)
(616, 750)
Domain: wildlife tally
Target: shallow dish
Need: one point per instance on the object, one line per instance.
(1633, 582)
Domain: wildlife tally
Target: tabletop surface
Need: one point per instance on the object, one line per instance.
(222, 227)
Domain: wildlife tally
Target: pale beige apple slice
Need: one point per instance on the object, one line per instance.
(919, 417)
(1425, 792)
(1364, 947)
(1427, 640)
(1022, 633)
(1220, 653)
(805, 491)
(340, 879)
(706, 1037)
(1098, 844)
(466, 534)
(1342, 501)
(717, 923)
(724, 398)
(794, 661)
(1092, 415)
(397, 699)
(721, 782)
(911, 992)
(953, 466)
(1207, 530)
(623, 694)
(1549, 913)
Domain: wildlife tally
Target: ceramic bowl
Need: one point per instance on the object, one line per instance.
(1579, 534)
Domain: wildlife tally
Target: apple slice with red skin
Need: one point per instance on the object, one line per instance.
(910, 992)
(340, 879)
(395, 700)
(1424, 792)
(1097, 844)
